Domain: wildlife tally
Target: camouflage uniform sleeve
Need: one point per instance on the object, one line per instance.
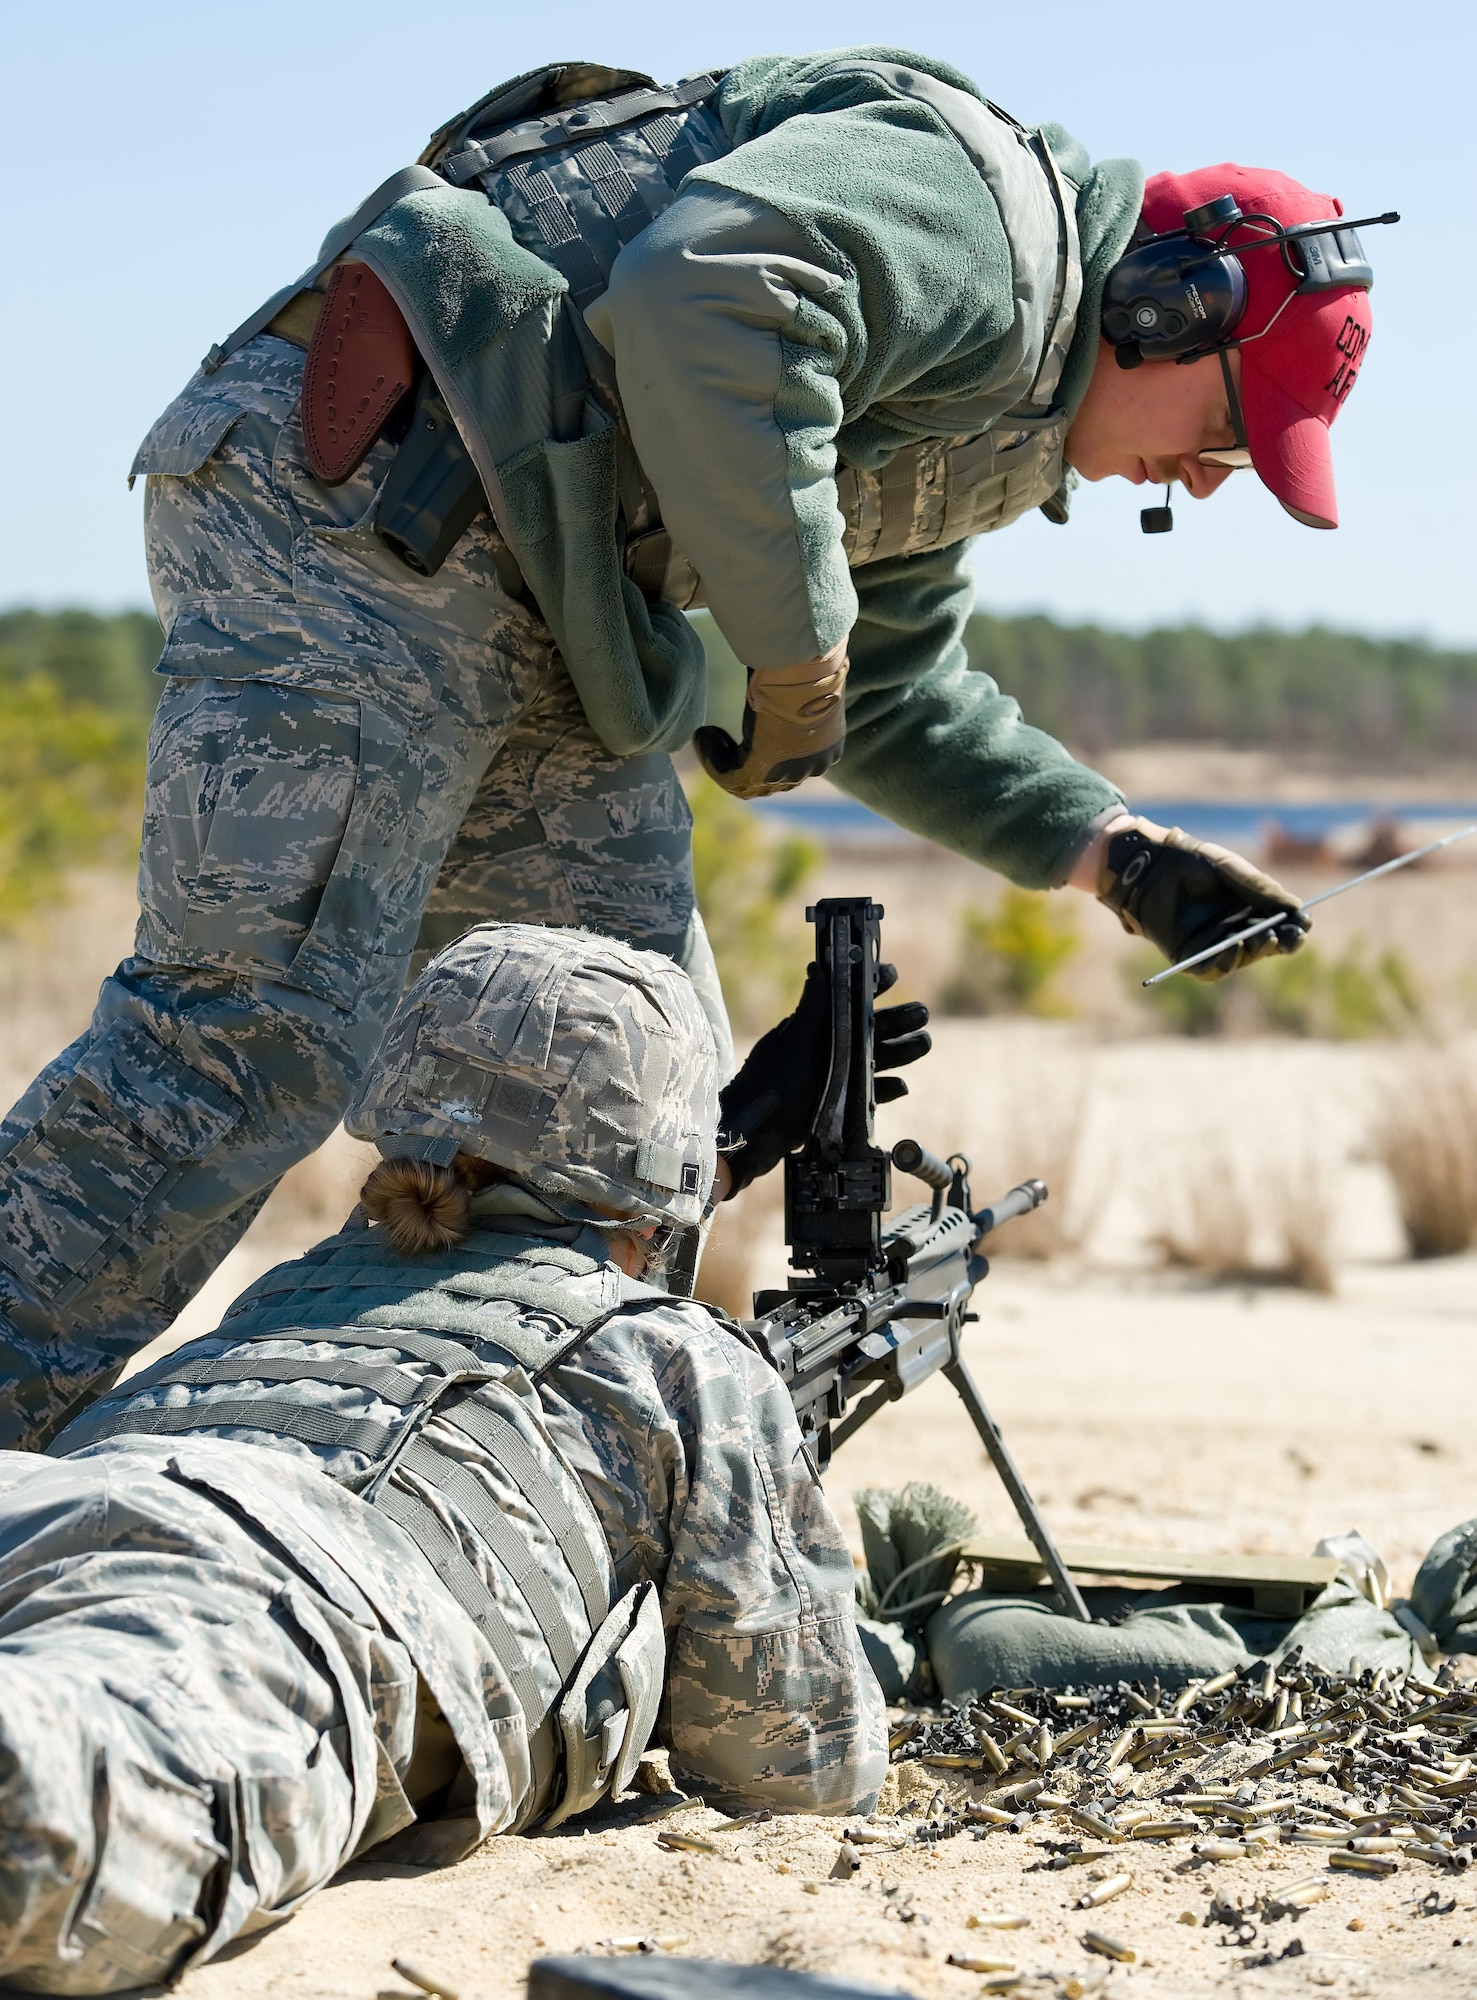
(769, 1699)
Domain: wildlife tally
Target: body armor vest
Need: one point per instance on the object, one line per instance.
(580, 159)
(530, 1301)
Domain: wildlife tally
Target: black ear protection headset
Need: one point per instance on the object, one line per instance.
(1182, 295)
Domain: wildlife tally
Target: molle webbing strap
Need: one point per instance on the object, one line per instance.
(449, 1357)
(502, 1536)
(578, 186)
(391, 1385)
(406, 181)
(587, 121)
(499, 1438)
(439, 1546)
(307, 1422)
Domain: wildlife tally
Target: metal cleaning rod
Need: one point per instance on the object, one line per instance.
(1323, 896)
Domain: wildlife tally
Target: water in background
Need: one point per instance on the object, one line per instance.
(1237, 823)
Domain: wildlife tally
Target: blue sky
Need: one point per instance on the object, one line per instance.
(168, 165)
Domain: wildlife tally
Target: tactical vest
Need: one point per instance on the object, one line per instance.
(580, 182)
(530, 1301)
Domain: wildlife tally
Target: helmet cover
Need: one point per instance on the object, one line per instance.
(579, 1064)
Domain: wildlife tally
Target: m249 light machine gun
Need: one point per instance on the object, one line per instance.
(870, 1312)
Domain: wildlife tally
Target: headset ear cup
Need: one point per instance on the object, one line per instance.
(1173, 297)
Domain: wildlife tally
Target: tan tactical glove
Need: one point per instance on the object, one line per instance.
(794, 728)
(1182, 894)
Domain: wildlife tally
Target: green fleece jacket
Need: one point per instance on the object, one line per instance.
(843, 283)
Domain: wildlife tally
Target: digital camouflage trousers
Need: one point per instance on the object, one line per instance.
(348, 762)
(215, 1666)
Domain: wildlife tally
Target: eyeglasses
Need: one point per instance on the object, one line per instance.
(1229, 457)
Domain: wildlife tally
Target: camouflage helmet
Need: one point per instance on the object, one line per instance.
(581, 1065)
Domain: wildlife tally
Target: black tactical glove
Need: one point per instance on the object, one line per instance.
(1183, 894)
(794, 728)
(768, 1108)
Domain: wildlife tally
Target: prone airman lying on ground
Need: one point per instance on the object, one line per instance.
(449, 1514)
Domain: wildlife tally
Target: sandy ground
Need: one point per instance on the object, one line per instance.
(1144, 1405)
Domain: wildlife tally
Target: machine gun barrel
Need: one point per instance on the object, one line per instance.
(1021, 1200)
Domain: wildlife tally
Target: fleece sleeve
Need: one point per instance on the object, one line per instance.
(727, 355)
(936, 747)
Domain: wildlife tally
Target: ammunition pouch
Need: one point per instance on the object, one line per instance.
(609, 1710)
(433, 492)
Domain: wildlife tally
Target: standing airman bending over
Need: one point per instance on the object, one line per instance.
(421, 532)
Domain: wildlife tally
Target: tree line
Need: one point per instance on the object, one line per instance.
(1096, 689)
(77, 689)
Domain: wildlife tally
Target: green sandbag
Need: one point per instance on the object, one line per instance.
(911, 1541)
(893, 1658)
(981, 1640)
(1444, 1594)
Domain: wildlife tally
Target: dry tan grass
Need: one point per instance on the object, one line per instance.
(1042, 1127)
(313, 1198)
(51, 968)
(1425, 1136)
(1263, 1221)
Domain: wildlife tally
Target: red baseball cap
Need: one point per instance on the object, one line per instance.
(1300, 354)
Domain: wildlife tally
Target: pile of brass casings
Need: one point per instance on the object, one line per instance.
(1367, 1769)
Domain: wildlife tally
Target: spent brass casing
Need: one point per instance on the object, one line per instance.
(1084, 1733)
(1352, 1863)
(994, 1755)
(1109, 1947)
(1300, 1895)
(1104, 1892)
(426, 1981)
(1121, 1746)
(988, 1815)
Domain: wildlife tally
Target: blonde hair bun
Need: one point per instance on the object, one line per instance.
(420, 1206)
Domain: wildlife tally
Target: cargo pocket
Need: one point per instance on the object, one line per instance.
(103, 1157)
(199, 420)
(275, 820)
(608, 1713)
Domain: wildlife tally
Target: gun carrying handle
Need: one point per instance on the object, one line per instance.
(911, 1158)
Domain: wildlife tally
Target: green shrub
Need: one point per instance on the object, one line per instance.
(1182, 1006)
(1346, 999)
(1010, 956)
(70, 779)
(107, 662)
(1343, 999)
(746, 882)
